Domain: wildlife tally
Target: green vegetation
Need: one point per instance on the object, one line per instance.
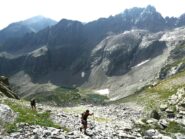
(145, 126)
(150, 97)
(174, 127)
(11, 127)
(66, 96)
(29, 116)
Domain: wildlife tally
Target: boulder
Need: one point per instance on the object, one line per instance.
(163, 123)
(170, 110)
(182, 103)
(152, 121)
(181, 121)
(179, 136)
(163, 107)
(173, 99)
(7, 115)
(151, 132)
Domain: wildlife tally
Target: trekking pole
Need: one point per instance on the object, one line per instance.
(94, 121)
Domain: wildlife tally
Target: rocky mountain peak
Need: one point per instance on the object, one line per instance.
(181, 20)
(21, 28)
(150, 9)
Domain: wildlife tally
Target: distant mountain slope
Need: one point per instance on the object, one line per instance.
(112, 53)
(19, 29)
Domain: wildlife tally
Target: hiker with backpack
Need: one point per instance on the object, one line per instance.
(84, 120)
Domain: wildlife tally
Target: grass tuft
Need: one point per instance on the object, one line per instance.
(174, 127)
(29, 116)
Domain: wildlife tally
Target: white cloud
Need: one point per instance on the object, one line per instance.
(83, 10)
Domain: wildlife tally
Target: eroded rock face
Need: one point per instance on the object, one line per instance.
(5, 90)
(4, 80)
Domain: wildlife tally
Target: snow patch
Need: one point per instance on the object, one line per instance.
(39, 52)
(143, 62)
(103, 92)
(82, 74)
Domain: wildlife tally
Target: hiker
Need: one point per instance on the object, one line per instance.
(33, 104)
(84, 120)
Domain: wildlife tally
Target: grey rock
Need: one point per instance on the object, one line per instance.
(7, 115)
(163, 123)
(182, 113)
(163, 107)
(179, 136)
(180, 116)
(181, 121)
(152, 121)
(36, 136)
(165, 137)
(170, 110)
(151, 133)
(59, 137)
(173, 99)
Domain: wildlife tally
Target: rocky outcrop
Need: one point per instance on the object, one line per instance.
(170, 118)
(7, 116)
(175, 62)
(5, 89)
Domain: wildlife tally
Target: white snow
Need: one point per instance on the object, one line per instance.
(103, 91)
(143, 62)
(39, 52)
(82, 74)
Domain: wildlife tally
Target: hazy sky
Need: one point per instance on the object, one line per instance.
(82, 10)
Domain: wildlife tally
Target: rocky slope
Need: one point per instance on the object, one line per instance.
(120, 61)
(126, 120)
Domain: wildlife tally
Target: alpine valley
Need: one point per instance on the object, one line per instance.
(129, 69)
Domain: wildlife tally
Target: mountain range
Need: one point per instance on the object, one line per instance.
(19, 29)
(121, 53)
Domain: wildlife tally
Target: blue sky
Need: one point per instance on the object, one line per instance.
(82, 10)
